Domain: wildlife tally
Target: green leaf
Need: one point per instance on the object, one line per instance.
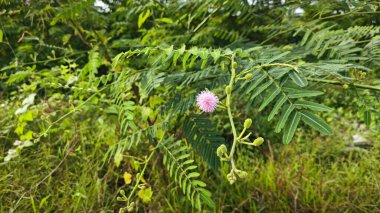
(312, 105)
(192, 175)
(28, 116)
(207, 200)
(291, 127)
(142, 18)
(257, 81)
(295, 93)
(298, 79)
(316, 122)
(27, 136)
(145, 194)
(1, 36)
(165, 20)
(198, 202)
(43, 201)
(367, 118)
(273, 94)
(288, 109)
(305, 37)
(118, 158)
(277, 107)
(261, 89)
(199, 183)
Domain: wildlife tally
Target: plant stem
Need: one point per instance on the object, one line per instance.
(232, 80)
(270, 65)
(143, 170)
(363, 86)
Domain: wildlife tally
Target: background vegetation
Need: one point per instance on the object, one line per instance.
(98, 111)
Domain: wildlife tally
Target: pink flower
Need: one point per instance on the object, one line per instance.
(207, 101)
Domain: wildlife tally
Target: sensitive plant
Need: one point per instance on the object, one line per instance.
(141, 67)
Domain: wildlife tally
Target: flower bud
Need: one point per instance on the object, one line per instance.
(258, 141)
(231, 177)
(241, 174)
(228, 89)
(345, 86)
(222, 149)
(248, 76)
(247, 123)
(130, 208)
(234, 65)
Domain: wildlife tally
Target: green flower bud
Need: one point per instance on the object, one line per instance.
(234, 65)
(247, 123)
(345, 86)
(130, 208)
(241, 174)
(122, 192)
(119, 199)
(231, 177)
(248, 76)
(228, 89)
(258, 141)
(222, 149)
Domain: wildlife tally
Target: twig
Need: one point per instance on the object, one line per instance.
(363, 86)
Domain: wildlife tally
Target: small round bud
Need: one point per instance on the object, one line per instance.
(119, 199)
(248, 76)
(122, 192)
(241, 174)
(234, 65)
(258, 141)
(228, 89)
(247, 123)
(231, 177)
(222, 149)
(345, 86)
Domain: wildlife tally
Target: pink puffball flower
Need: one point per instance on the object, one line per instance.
(207, 101)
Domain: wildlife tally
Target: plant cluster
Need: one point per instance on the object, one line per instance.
(180, 87)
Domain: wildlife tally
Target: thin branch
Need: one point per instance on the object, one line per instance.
(363, 86)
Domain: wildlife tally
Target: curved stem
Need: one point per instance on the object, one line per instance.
(228, 100)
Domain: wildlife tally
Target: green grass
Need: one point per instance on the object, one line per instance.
(72, 170)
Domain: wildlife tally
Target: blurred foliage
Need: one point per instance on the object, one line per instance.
(98, 105)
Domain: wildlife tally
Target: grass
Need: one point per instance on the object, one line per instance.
(72, 170)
